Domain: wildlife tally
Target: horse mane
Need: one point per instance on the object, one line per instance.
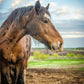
(17, 13)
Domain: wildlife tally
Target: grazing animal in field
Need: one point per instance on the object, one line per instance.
(15, 40)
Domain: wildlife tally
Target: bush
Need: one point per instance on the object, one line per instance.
(79, 56)
(42, 56)
(56, 55)
(47, 56)
(72, 55)
(37, 55)
(68, 54)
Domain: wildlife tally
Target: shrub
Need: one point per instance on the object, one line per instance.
(72, 55)
(79, 55)
(56, 55)
(37, 55)
(43, 56)
(68, 54)
(47, 56)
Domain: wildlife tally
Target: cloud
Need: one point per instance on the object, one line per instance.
(64, 9)
(80, 14)
(60, 11)
(52, 4)
(65, 13)
(29, 4)
(16, 3)
(72, 32)
(78, 11)
(73, 36)
(42, 2)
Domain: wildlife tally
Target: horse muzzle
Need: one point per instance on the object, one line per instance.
(57, 48)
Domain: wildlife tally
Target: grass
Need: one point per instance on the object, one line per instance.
(54, 63)
(81, 69)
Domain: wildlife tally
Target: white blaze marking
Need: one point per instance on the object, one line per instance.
(47, 16)
(58, 43)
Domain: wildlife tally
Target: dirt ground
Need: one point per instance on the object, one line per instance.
(54, 76)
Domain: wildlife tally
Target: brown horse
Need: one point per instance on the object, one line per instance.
(15, 40)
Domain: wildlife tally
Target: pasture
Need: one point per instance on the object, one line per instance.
(57, 63)
(56, 69)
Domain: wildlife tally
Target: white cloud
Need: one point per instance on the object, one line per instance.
(41, 1)
(64, 9)
(76, 16)
(29, 4)
(33, 2)
(36, 0)
(73, 36)
(60, 11)
(52, 4)
(67, 13)
(72, 32)
(16, 3)
(79, 14)
(78, 11)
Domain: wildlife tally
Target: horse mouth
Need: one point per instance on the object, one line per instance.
(52, 48)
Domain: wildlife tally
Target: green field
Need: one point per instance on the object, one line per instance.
(57, 63)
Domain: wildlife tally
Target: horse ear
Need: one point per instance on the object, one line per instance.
(37, 7)
(47, 7)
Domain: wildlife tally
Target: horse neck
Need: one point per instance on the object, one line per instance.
(16, 30)
(11, 35)
(3, 30)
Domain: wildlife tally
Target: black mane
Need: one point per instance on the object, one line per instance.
(17, 13)
(20, 12)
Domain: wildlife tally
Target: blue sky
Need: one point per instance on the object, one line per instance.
(66, 15)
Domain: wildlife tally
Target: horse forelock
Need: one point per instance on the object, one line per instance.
(47, 16)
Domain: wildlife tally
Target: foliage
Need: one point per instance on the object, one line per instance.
(72, 55)
(79, 56)
(47, 56)
(55, 55)
(68, 55)
(37, 55)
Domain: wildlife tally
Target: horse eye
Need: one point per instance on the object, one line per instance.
(45, 21)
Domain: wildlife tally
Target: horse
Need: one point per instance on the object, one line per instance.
(15, 40)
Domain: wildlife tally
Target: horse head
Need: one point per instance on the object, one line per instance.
(41, 28)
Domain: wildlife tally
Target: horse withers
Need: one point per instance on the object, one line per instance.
(15, 40)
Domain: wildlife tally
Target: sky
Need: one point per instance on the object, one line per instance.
(66, 15)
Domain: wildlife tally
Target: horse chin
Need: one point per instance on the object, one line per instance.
(56, 50)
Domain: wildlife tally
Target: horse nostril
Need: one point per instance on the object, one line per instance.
(60, 45)
(53, 47)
